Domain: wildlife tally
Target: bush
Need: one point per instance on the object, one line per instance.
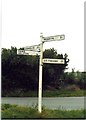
(72, 87)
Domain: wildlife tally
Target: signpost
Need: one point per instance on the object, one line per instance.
(53, 38)
(33, 48)
(38, 50)
(26, 52)
(20, 52)
(32, 53)
(40, 75)
(53, 61)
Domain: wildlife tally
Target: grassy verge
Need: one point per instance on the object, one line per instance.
(46, 93)
(14, 111)
(64, 93)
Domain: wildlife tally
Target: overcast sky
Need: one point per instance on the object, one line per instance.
(24, 20)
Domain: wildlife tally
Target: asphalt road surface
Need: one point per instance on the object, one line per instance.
(64, 103)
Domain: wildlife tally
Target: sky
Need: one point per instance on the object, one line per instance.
(24, 20)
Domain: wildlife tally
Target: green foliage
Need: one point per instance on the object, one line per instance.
(14, 111)
(5, 106)
(63, 93)
(22, 72)
(46, 93)
(75, 78)
(17, 71)
(53, 72)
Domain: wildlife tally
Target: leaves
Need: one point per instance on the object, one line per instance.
(23, 71)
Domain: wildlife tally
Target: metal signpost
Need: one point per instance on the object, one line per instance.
(40, 75)
(26, 52)
(53, 61)
(53, 38)
(30, 50)
(33, 48)
(38, 50)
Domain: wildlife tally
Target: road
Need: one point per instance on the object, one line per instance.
(64, 103)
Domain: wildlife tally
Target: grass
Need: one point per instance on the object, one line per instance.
(15, 111)
(63, 93)
(46, 93)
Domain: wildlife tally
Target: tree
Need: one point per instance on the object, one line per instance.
(21, 72)
(18, 71)
(53, 72)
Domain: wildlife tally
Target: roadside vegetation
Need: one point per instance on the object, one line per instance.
(46, 93)
(20, 75)
(15, 111)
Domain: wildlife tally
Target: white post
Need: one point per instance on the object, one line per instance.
(40, 76)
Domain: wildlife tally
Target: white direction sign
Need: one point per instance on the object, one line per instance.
(33, 48)
(20, 52)
(54, 61)
(53, 38)
(24, 52)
